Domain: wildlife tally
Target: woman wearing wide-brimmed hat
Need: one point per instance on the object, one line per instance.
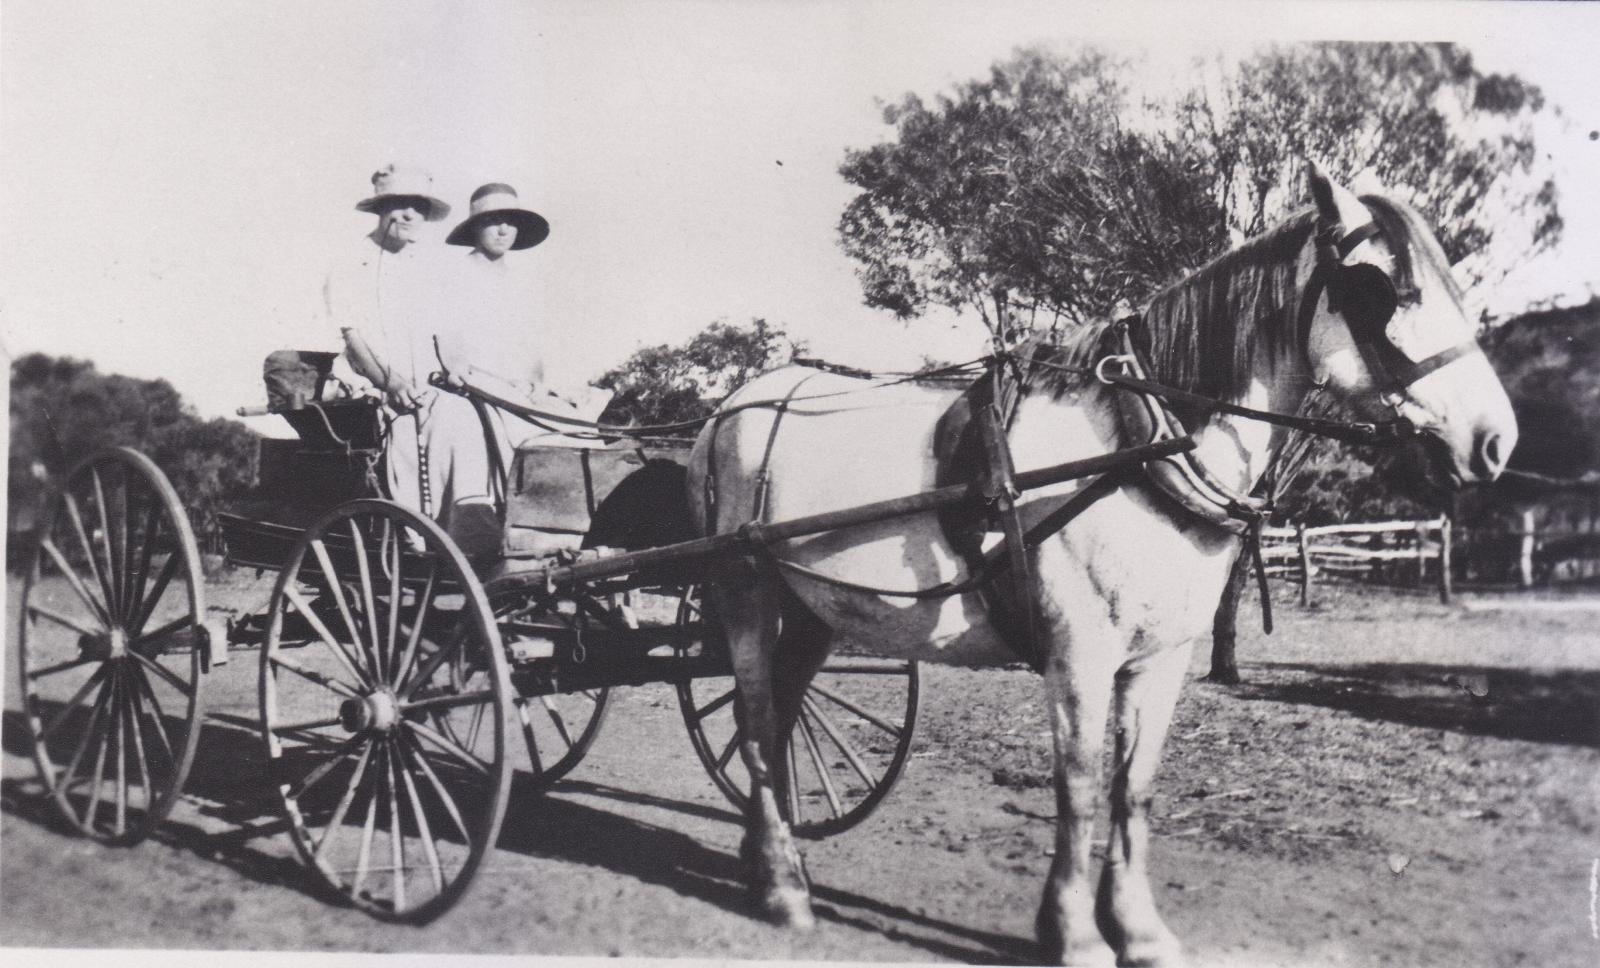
(390, 302)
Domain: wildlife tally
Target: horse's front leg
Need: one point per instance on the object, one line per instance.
(1077, 683)
(749, 612)
(1146, 694)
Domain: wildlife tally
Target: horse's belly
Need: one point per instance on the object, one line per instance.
(906, 555)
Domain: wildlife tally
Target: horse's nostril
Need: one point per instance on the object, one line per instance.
(1490, 458)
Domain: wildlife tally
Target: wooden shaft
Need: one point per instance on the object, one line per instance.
(766, 534)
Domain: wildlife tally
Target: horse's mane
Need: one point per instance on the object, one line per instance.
(1204, 330)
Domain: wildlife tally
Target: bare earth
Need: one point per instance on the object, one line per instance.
(1396, 783)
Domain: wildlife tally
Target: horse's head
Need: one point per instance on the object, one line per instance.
(1384, 329)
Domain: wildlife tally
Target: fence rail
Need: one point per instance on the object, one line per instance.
(1359, 549)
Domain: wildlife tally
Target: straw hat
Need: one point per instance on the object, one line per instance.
(496, 200)
(390, 183)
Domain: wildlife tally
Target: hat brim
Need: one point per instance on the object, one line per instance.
(434, 210)
(531, 227)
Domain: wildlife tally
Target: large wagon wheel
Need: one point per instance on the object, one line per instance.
(846, 751)
(389, 764)
(111, 647)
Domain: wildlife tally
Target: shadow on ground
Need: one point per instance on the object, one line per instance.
(238, 824)
(1559, 706)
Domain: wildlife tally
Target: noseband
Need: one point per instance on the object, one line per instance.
(1365, 297)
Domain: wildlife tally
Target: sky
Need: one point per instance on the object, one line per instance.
(178, 177)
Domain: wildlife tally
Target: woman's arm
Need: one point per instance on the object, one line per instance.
(396, 388)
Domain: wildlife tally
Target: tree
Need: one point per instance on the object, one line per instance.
(1037, 199)
(669, 384)
(63, 409)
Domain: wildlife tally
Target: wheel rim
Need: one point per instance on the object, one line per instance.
(848, 747)
(111, 647)
(360, 670)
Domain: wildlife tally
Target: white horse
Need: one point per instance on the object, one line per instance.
(1122, 591)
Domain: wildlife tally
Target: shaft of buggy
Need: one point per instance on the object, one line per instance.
(756, 534)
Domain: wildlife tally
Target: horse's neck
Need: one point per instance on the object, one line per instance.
(1238, 450)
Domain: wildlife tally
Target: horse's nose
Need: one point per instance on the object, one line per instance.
(1490, 455)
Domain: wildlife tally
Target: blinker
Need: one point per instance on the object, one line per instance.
(1365, 296)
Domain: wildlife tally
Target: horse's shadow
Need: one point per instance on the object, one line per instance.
(238, 827)
(1558, 706)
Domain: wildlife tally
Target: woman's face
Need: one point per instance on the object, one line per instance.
(496, 236)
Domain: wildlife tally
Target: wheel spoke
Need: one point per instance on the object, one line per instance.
(820, 765)
(714, 705)
(327, 637)
(423, 831)
(156, 715)
(132, 705)
(177, 624)
(726, 756)
(71, 504)
(792, 784)
(165, 673)
(397, 837)
(330, 580)
(163, 578)
(477, 698)
(306, 726)
(327, 682)
(77, 697)
(152, 527)
(875, 720)
(89, 731)
(72, 624)
(449, 746)
(364, 569)
(559, 721)
(343, 807)
(367, 827)
(834, 733)
(296, 791)
(100, 758)
(122, 758)
(427, 669)
(421, 759)
(113, 580)
(75, 582)
(424, 602)
(391, 543)
(527, 735)
(60, 667)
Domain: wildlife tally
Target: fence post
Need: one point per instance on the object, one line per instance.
(1305, 564)
(1445, 526)
(1525, 556)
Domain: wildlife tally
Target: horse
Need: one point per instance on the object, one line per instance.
(1350, 297)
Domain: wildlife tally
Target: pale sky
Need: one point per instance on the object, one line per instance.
(178, 176)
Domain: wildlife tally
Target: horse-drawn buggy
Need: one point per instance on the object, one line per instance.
(828, 514)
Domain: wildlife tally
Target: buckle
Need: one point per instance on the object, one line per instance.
(1124, 360)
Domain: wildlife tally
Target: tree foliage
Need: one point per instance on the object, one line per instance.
(668, 384)
(63, 409)
(1047, 194)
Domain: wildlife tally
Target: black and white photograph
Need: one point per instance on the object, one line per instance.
(833, 483)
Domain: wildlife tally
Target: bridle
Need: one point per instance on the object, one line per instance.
(1364, 296)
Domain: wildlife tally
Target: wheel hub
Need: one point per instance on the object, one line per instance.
(378, 712)
(103, 645)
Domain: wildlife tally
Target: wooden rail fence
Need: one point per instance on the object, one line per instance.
(1372, 549)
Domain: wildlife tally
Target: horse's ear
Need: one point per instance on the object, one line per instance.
(1322, 191)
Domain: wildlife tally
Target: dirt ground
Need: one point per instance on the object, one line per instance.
(1397, 782)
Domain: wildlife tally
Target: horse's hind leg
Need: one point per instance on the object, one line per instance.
(750, 616)
(1145, 697)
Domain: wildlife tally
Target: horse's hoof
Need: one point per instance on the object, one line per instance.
(1153, 953)
(788, 907)
(1090, 954)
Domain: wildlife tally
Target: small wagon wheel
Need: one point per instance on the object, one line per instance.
(111, 646)
(847, 749)
(389, 763)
